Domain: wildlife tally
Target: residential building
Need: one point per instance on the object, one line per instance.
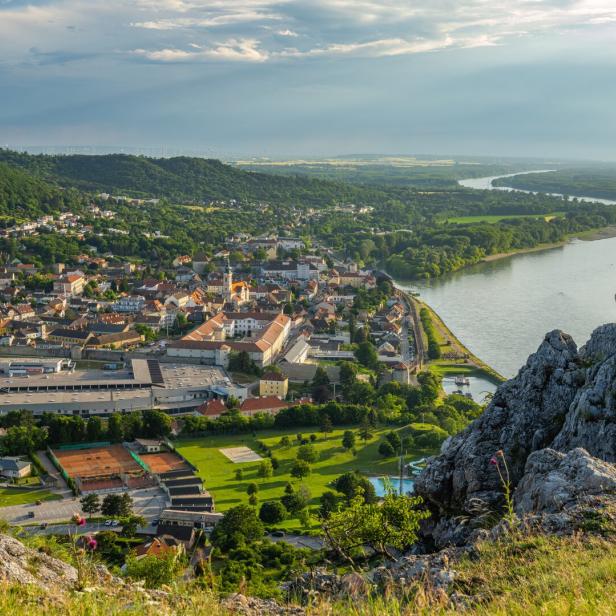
(273, 384)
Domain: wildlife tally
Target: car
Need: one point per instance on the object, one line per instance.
(44, 524)
(115, 523)
(278, 533)
(108, 522)
(154, 522)
(30, 514)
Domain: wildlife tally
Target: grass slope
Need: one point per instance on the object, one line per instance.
(535, 576)
(219, 472)
(16, 496)
(494, 218)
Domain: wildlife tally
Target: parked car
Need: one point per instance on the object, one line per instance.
(30, 514)
(44, 524)
(278, 533)
(108, 522)
(115, 523)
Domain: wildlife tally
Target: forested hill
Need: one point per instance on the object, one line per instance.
(184, 179)
(25, 196)
(598, 182)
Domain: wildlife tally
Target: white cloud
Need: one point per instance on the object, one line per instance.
(168, 30)
(235, 50)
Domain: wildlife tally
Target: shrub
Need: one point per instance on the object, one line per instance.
(272, 512)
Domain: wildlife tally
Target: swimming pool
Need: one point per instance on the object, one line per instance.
(379, 484)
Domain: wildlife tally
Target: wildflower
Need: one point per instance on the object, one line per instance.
(493, 461)
(91, 543)
(78, 520)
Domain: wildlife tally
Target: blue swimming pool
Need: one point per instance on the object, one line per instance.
(379, 484)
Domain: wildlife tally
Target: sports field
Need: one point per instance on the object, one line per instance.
(163, 462)
(97, 461)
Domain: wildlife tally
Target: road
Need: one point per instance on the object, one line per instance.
(299, 541)
(148, 502)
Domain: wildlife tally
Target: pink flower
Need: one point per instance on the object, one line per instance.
(493, 461)
(91, 543)
(78, 520)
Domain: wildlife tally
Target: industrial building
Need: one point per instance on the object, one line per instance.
(144, 384)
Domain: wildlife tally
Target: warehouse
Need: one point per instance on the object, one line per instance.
(144, 384)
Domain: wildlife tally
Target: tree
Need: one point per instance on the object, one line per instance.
(320, 377)
(24, 440)
(326, 424)
(131, 523)
(300, 469)
(90, 504)
(116, 428)
(308, 453)
(382, 527)
(94, 429)
(365, 431)
(272, 512)
(265, 469)
(366, 355)
(156, 423)
(328, 504)
(155, 571)
(126, 504)
(285, 442)
(386, 450)
(239, 474)
(239, 525)
(112, 505)
(348, 439)
(253, 500)
(353, 483)
(321, 390)
(313, 438)
(394, 440)
(252, 488)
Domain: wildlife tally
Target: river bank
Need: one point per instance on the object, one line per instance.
(470, 364)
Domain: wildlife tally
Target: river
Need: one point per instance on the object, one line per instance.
(486, 183)
(502, 309)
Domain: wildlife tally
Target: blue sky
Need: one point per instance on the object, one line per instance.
(312, 77)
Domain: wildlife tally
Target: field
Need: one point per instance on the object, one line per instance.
(492, 219)
(15, 496)
(97, 461)
(163, 462)
(219, 472)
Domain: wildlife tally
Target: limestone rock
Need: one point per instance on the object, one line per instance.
(554, 481)
(525, 415)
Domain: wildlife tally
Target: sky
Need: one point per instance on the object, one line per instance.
(306, 78)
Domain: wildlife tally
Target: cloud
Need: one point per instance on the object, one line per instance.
(250, 30)
(235, 50)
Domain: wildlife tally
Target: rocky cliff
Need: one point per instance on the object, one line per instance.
(553, 425)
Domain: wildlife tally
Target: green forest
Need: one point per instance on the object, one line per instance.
(204, 202)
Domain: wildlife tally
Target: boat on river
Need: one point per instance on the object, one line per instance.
(462, 381)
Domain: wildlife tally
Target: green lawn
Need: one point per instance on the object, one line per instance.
(219, 473)
(444, 368)
(16, 496)
(494, 218)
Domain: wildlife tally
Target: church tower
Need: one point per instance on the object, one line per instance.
(227, 282)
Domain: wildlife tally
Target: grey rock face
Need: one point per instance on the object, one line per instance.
(591, 421)
(525, 415)
(561, 400)
(554, 480)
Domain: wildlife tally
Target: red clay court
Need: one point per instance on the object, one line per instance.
(164, 462)
(97, 461)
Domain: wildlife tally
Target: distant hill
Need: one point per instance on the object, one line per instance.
(182, 179)
(23, 195)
